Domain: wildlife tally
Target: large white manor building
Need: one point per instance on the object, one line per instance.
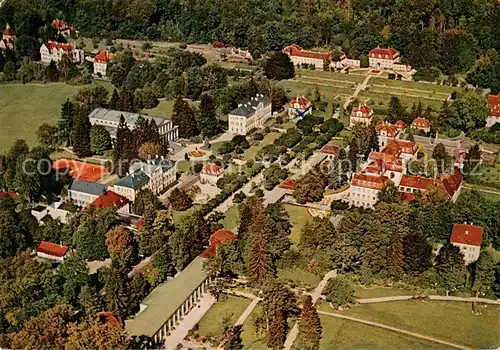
(249, 115)
(54, 51)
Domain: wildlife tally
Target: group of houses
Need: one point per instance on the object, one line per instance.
(55, 51)
(378, 58)
(391, 164)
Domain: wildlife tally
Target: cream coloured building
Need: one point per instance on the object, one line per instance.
(468, 238)
(54, 51)
(249, 115)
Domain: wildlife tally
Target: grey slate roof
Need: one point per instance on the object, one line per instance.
(248, 107)
(130, 118)
(151, 165)
(94, 188)
(135, 180)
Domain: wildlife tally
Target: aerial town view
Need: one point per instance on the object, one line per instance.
(265, 174)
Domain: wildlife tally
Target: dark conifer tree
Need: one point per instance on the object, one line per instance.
(184, 117)
(208, 123)
(81, 137)
(123, 148)
(65, 124)
(114, 102)
(127, 101)
(276, 335)
(309, 327)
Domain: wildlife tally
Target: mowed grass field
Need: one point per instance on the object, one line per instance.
(452, 321)
(24, 107)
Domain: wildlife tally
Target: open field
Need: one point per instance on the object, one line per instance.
(228, 306)
(452, 321)
(329, 93)
(495, 197)
(490, 176)
(163, 110)
(24, 107)
(298, 218)
(413, 85)
(355, 78)
(344, 334)
(381, 100)
(377, 292)
(268, 139)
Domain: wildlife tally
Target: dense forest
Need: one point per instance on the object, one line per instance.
(447, 34)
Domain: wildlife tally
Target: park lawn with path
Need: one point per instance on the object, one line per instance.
(381, 100)
(254, 149)
(163, 110)
(490, 176)
(227, 306)
(494, 197)
(451, 321)
(354, 78)
(345, 334)
(298, 218)
(299, 276)
(329, 91)
(413, 85)
(177, 216)
(24, 107)
(251, 341)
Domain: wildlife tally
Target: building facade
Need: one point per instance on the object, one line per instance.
(62, 28)
(131, 184)
(494, 106)
(468, 238)
(160, 171)
(299, 56)
(51, 251)
(84, 192)
(54, 51)
(249, 115)
(101, 61)
(299, 107)
(361, 114)
(8, 38)
(110, 119)
(421, 124)
(386, 132)
(211, 173)
(381, 58)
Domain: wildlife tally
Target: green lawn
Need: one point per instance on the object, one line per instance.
(250, 339)
(183, 166)
(329, 91)
(268, 139)
(488, 195)
(413, 85)
(178, 215)
(451, 321)
(228, 305)
(489, 176)
(231, 218)
(163, 110)
(355, 78)
(299, 277)
(24, 107)
(298, 218)
(344, 334)
(381, 100)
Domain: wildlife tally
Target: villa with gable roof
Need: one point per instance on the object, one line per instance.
(54, 51)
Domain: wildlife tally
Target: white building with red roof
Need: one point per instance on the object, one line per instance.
(211, 173)
(51, 251)
(400, 125)
(468, 239)
(361, 114)
(386, 132)
(111, 199)
(299, 56)
(54, 51)
(421, 124)
(62, 28)
(365, 188)
(299, 107)
(8, 38)
(381, 58)
(101, 61)
(494, 106)
(331, 151)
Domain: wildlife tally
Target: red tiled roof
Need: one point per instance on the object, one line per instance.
(421, 123)
(302, 101)
(417, 182)
(288, 184)
(386, 161)
(217, 44)
(59, 24)
(109, 199)
(52, 249)
(103, 57)
(51, 45)
(388, 54)
(494, 105)
(7, 194)
(407, 196)
(363, 110)
(467, 234)
(109, 317)
(212, 169)
(216, 239)
(390, 130)
(369, 181)
(330, 149)
(452, 182)
(296, 50)
(9, 31)
(396, 147)
(400, 124)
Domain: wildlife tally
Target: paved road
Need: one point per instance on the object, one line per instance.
(315, 296)
(394, 329)
(247, 311)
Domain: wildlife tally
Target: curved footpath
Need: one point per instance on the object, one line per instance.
(397, 330)
(431, 297)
